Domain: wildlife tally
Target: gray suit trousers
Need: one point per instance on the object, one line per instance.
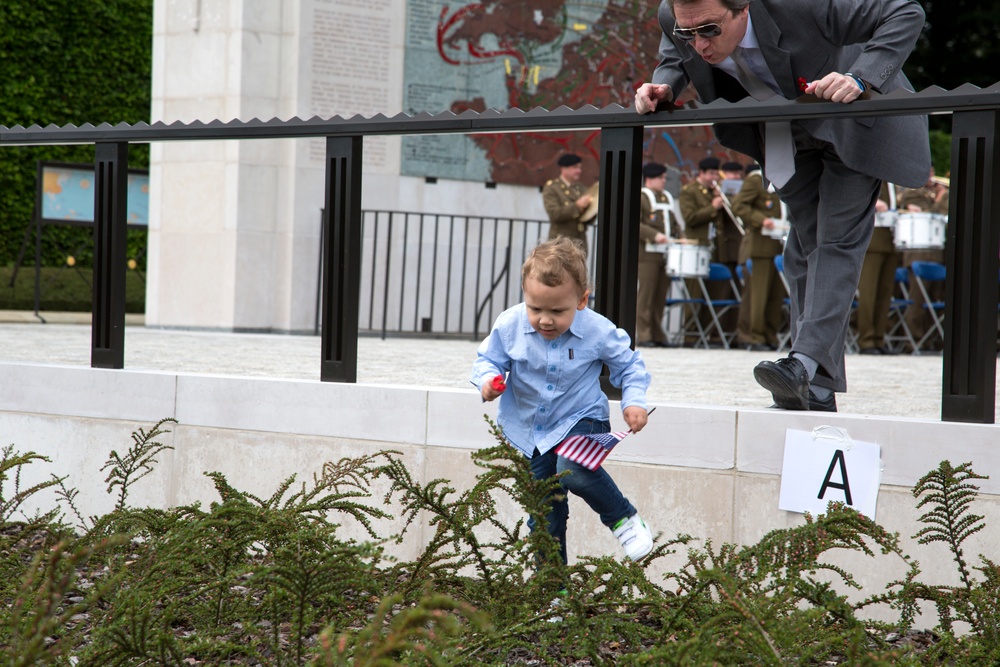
(833, 211)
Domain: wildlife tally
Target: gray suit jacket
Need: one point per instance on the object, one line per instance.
(808, 39)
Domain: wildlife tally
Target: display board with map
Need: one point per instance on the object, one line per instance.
(504, 54)
(66, 194)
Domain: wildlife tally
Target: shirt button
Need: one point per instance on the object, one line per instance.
(550, 387)
(541, 409)
(538, 428)
(552, 368)
(553, 346)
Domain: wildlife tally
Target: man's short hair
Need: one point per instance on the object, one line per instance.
(569, 159)
(653, 170)
(708, 163)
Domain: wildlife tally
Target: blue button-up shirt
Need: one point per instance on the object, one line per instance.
(553, 384)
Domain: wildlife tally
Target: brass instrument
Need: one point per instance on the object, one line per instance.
(729, 209)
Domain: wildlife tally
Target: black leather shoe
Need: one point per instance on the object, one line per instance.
(816, 405)
(871, 350)
(829, 405)
(787, 380)
(646, 343)
(661, 343)
(758, 347)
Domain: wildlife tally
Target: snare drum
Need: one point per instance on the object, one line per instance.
(688, 260)
(886, 218)
(919, 230)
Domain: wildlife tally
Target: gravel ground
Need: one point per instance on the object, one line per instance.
(902, 386)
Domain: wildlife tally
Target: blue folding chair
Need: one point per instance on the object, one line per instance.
(785, 335)
(899, 334)
(926, 274)
(679, 297)
(720, 273)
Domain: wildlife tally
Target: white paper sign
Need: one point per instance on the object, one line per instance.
(825, 465)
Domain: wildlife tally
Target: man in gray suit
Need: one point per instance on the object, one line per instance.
(828, 172)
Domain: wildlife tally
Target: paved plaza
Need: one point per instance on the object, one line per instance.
(903, 386)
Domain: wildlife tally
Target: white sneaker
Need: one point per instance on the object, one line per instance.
(554, 607)
(635, 538)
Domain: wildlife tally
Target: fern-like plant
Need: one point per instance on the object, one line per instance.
(949, 492)
(138, 461)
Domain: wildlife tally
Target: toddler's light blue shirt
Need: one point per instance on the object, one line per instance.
(554, 384)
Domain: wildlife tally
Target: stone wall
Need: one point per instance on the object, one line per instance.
(709, 472)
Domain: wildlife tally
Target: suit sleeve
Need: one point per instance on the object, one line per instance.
(670, 69)
(887, 29)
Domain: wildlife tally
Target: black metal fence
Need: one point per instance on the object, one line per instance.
(973, 234)
(441, 274)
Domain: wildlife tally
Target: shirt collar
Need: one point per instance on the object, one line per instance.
(749, 40)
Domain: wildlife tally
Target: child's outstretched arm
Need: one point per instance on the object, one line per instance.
(488, 370)
(635, 417)
(492, 389)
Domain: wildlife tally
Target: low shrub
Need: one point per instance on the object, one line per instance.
(272, 580)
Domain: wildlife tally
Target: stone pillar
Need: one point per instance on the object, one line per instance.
(235, 225)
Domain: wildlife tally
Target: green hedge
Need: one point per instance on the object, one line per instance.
(64, 289)
(65, 61)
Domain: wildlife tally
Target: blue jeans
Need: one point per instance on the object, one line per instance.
(596, 487)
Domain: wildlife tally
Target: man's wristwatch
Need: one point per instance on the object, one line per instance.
(861, 84)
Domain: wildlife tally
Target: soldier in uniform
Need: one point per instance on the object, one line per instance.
(729, 237)
(653, 281)
(565, 201)
(763, 292)
(703, 213)
(878, 278)
(931, 198)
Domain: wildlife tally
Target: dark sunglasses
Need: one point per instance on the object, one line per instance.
(707, 31)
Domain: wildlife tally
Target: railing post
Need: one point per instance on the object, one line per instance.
(341, 260)
(110, 207)
(618, 231)
(971, 286)
(618, 226)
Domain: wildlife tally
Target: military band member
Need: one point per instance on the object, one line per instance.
(653, 281)
(878, 278)
(763, 291)
(931, 198)
(565, 201)
(702, 209)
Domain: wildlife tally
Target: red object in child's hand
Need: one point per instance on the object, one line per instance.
(498, 383)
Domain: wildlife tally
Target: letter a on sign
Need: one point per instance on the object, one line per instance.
(826, 465)
(838, 460)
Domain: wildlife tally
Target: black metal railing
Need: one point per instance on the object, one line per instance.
(973, 234)
(441, 274)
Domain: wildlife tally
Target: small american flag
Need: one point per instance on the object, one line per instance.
(589, 450)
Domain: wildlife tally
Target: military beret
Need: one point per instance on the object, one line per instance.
(731, 166)
(709, 163)
(569, 159)
(752, 167)
(652, 170)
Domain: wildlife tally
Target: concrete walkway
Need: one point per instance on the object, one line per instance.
(901, 386)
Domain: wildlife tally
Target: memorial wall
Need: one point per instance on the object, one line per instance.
(234, 239)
